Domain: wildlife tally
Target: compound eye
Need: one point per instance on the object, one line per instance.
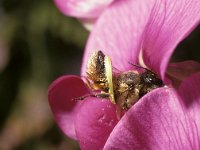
(156, 81)
(150, 80)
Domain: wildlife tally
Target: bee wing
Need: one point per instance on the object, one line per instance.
(108, 73)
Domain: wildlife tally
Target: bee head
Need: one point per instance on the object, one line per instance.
(151, 78)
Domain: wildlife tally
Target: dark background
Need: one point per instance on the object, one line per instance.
(37, 45)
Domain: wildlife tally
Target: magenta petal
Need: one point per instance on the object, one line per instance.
(95, 120)
(158, 121)
(118, 32)
(182, 70)
(155, 26)
(169, 23)
(60, 96)
(82, 8)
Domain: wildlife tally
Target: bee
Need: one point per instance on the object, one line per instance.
(121, 88)
(99, 77)
(130, 86)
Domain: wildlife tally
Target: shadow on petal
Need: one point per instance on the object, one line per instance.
(189, 91)
(178, 72)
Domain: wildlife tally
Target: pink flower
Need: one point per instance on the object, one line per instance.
(83, 8)
(166, 118)
(87, 11)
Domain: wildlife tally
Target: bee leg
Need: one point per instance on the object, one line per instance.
(80, 98)
(99, 95)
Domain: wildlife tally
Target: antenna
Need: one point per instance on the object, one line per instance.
(140, 67)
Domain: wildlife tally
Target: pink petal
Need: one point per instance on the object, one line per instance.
(82, 8)
(169, 23)
(60, 94)
(182, 70)
(118, 32)
(95, 120)
(154, 26)
(158, 121)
